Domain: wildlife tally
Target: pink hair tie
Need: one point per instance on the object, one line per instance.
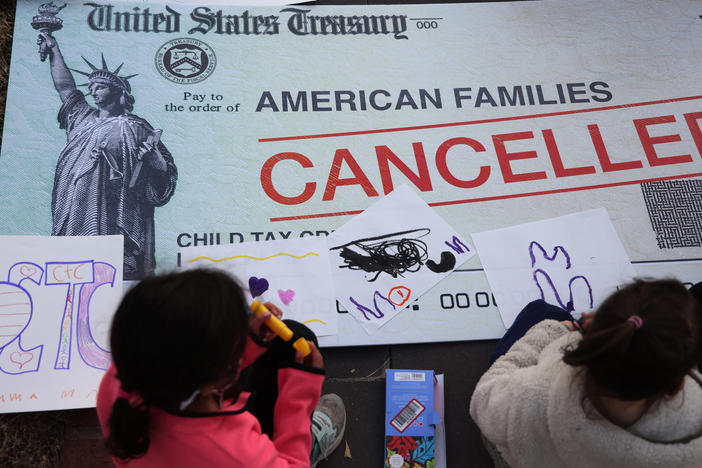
(134, 399)
(636, 320)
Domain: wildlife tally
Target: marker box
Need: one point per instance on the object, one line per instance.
(410, 418)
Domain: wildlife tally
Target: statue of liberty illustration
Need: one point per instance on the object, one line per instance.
(114, 169)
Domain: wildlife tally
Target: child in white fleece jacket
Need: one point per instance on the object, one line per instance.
(624, 393)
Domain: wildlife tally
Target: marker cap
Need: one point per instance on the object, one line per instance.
(303, 346)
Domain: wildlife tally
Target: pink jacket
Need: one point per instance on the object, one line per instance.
(228, 440)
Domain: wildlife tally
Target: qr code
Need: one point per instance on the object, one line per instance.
(675, 210)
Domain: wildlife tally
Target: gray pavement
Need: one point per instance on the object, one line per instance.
(358, 376)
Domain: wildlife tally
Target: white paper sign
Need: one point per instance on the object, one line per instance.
(575, 259)
(391, 254)
(292, 273)
(56, 308)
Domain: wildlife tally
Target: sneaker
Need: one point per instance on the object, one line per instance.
(328, 424)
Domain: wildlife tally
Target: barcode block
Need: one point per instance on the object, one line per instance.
(408, 414)
(410, 377)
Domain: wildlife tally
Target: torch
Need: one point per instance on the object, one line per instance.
(47, 22)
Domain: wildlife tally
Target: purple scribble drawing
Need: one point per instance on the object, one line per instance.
(457, 245)
(286, 296)
(540, 273)
(377, 313)
(257, 286)
(556, 250)
(365, 310)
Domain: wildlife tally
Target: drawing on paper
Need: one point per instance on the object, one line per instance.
(394, 254)
(382, 262)
(15, 315)
(287, 296)
(543, 280)
(226, 259)
(399, 295)
(293, 273)
(258, 286)
(572, 261)
(80, 279)
(57, 297)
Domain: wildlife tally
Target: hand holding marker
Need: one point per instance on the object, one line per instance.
(279, 327)
(257, 287)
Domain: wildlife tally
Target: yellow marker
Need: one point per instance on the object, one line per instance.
(303, 346)
(280, 329)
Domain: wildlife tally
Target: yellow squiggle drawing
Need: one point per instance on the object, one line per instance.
(314, 320)
(252, 258)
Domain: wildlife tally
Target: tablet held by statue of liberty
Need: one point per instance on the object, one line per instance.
(114, 169)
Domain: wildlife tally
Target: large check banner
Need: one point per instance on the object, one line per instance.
(185, 125)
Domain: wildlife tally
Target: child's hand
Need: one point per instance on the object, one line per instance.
(588, 316)
(314, 359)
(257, 324)
(580, 325)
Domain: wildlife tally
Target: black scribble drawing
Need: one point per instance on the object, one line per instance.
(448, 261)
(395, 254)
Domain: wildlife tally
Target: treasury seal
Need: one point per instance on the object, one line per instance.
(185, 60)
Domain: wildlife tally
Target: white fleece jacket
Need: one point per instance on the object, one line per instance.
(529, 405)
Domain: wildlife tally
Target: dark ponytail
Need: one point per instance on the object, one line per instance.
(170, 335)
(129, 430)
(642, 341)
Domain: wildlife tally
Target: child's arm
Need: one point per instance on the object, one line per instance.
(252, 351)
(299, 390)
(525, 351)
(510, 379)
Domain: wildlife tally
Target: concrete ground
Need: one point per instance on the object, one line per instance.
(358, 376)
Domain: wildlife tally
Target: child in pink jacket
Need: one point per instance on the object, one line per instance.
(185, 356)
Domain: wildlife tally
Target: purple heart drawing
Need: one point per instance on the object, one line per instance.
(286, 296)
(257, 286)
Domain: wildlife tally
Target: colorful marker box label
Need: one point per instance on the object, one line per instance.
(410, 418)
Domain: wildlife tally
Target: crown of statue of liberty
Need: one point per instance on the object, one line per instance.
(105, 76)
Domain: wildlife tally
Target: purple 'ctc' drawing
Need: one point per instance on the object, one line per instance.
(81, 280)
(569, 306)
